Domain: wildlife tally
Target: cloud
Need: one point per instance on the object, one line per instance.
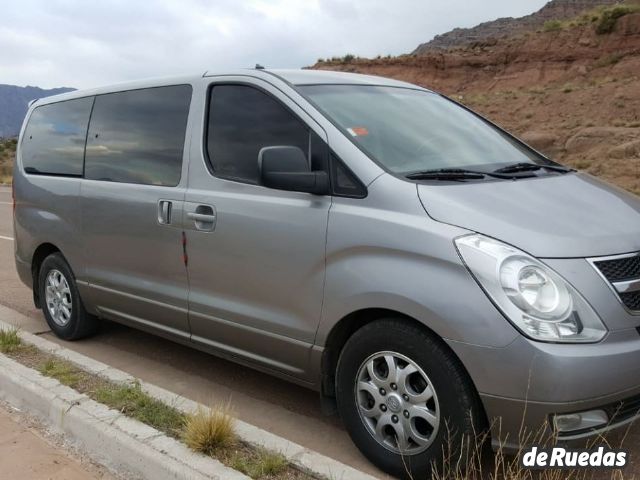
(83, 44)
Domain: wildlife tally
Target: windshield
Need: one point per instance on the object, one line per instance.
(410, 130)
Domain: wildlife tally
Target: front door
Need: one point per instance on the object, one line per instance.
(256, 255)
(132, 201)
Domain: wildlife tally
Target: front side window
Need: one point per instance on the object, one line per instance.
(53, 141)
(243, 120)
(138, 136)
(408, 130)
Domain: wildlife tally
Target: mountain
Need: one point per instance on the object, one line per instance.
(502, 27)
(571, 89)
(14, 102)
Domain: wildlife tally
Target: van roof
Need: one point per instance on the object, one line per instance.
(294, 77)
(317, 77)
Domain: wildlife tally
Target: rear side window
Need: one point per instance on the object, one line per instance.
(53, 142)
(138, 136)
(242, 120)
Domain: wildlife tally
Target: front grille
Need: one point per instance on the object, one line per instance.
(618, 413)
(631, 300)
(624, 410)
(620, 269)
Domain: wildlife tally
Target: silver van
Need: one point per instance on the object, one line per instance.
(428, 273)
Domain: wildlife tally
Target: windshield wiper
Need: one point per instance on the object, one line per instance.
(446, 174)
(454, 174)
(531, 167)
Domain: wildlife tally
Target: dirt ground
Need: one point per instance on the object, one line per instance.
(29, 451)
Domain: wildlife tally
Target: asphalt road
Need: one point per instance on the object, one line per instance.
(285, 409)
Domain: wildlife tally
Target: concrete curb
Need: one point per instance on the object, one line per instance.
(114, 440)
(303, 458)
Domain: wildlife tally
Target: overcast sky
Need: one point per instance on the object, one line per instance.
(82, 43)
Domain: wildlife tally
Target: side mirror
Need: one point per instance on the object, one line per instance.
(287, 168)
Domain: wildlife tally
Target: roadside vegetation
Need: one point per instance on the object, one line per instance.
(481, 463)
(210, 431)
(9, 340)
(7, 155)
(135, 403)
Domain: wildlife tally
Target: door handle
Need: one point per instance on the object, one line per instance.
(201, 217)
(164, 212)
(204, 218)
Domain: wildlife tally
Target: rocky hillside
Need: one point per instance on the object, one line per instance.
(557, 10)
(14, 102)
(571, 88)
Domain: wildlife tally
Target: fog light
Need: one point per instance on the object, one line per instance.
(571, 422)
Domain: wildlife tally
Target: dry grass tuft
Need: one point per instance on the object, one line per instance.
(9, 340)
(478, 462)
(208, 431)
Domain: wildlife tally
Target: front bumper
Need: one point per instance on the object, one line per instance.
(524, 384)
(518, 423)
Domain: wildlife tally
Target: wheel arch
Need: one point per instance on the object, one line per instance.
(350, 324)
(41, 252)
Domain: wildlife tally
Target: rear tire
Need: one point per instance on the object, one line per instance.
(405, 427)
(61, 302)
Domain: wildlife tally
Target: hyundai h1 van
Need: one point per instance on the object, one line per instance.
(428, 273)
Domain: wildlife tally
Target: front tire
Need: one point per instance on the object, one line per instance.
(404, 398)
(60, 300)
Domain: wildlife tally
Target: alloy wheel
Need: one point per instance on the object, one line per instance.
(397, 403)
(58, 298)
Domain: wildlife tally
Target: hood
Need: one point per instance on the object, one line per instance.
(563, 216)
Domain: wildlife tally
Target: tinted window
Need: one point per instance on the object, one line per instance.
(53, 142)
(344, 182)
(138, 136)
(242, 120)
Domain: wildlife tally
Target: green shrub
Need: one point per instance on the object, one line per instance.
(552, 26)
(608, 60)
(609, 17)
(348, 58)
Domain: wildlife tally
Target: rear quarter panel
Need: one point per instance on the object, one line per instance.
(47, 211)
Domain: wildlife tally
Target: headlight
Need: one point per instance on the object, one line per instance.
(540, 303)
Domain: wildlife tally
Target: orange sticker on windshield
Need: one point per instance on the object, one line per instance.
(358, 131)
